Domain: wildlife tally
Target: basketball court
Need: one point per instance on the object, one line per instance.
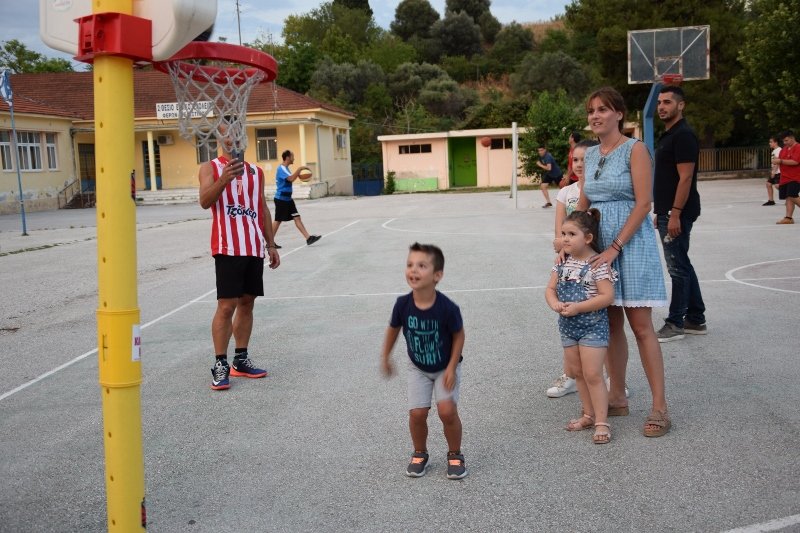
(322, 443)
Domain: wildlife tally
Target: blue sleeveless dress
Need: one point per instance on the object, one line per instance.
(641, 277)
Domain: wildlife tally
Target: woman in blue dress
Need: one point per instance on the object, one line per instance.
(618, 181)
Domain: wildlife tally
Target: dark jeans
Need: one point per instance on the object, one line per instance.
(687, 302)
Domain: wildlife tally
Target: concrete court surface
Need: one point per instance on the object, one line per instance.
(322, 443)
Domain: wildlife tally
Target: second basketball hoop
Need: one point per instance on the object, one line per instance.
(212, 84)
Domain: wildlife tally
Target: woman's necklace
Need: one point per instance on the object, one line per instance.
(616, 143)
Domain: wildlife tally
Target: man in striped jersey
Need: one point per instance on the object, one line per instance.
(241, 236)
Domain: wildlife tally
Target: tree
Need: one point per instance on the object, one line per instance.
(356, 4)
(511, 44)
(550, 120)
(330, 20)
(767, 86)
(443, 97)
(344, 83)
(413, 18)
(478, 11)
(473, 8)
(407, 81)
(496, 113)
(296, 65)
(549, 72)
(389, 51)
(458, 34)
(15, 56)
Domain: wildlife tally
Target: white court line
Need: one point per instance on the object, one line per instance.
(148, 324)
(485, 289)
(482, 234)
(368, 294)
(729, 275)
(772, 525)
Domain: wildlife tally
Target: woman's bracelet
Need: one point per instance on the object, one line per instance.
(616, 247)
(678, 208)
(618, 243)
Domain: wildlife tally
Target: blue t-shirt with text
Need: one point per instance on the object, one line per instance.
(283, 190)
(429, 332)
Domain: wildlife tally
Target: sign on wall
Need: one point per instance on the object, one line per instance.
(170, 110)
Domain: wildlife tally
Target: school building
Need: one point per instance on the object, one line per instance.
(54, 120)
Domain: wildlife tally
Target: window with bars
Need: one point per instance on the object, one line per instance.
(52, 155)
(5, 150)
(501, 144)
(206, 152)
(266, 144)
(415, 148)
(30, 150)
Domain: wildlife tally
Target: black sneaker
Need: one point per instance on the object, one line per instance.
(548, 204)
(769, 202)
(419, 463)
(243, 367)
(219, 375)
(278, 246)
(456, 467)
(312, 239)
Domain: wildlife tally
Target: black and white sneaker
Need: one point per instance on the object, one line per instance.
(312, 239)
(219, 375)
(418, 465)
(456, 467)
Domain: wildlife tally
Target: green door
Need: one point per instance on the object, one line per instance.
(463, 162)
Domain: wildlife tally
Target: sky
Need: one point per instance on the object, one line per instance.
(258, 21)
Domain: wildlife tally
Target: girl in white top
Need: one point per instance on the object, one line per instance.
(565, 204)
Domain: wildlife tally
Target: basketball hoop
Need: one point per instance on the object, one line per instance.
(671, 79)
(212, 84)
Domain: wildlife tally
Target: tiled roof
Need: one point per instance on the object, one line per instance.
(70, 94)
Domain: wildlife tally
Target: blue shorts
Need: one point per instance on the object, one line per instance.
(586, 329)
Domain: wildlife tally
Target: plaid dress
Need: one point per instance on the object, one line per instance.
(641, 277)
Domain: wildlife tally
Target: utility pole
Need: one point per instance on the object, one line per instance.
(239, 22)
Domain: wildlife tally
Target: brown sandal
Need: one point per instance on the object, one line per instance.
(601, 436)
(621, 410)
(577, 424)
(661, 422)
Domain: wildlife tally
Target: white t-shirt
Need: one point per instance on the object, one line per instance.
(776, 153)
(569, 196)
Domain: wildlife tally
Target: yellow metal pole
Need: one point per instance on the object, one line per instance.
(118, 313)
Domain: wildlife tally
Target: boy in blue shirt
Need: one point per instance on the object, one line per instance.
(434, 333)
(552, 172)
(285, 210)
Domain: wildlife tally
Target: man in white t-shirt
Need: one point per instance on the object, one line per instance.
(775, 171)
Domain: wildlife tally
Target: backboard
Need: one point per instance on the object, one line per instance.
(175, 22)
(653, 53)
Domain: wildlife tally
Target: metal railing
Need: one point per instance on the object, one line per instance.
(72, 192)
(732, 159)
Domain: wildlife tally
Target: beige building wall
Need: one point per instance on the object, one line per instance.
(40, 188)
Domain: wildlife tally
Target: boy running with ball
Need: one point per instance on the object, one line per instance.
(434, 333)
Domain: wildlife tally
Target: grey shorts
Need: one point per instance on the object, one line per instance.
(422, 385)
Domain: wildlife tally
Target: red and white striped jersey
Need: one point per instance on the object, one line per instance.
(238, 213)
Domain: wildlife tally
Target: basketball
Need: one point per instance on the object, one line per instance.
(304, 176)
(486, 141)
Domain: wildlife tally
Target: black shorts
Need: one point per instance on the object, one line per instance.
(239, 275)
(774, 180)
(551, 179)
(789, 190)
(285, 210)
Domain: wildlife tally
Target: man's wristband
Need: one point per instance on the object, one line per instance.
(678, 208)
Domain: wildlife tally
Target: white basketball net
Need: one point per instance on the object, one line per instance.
(210, 95)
